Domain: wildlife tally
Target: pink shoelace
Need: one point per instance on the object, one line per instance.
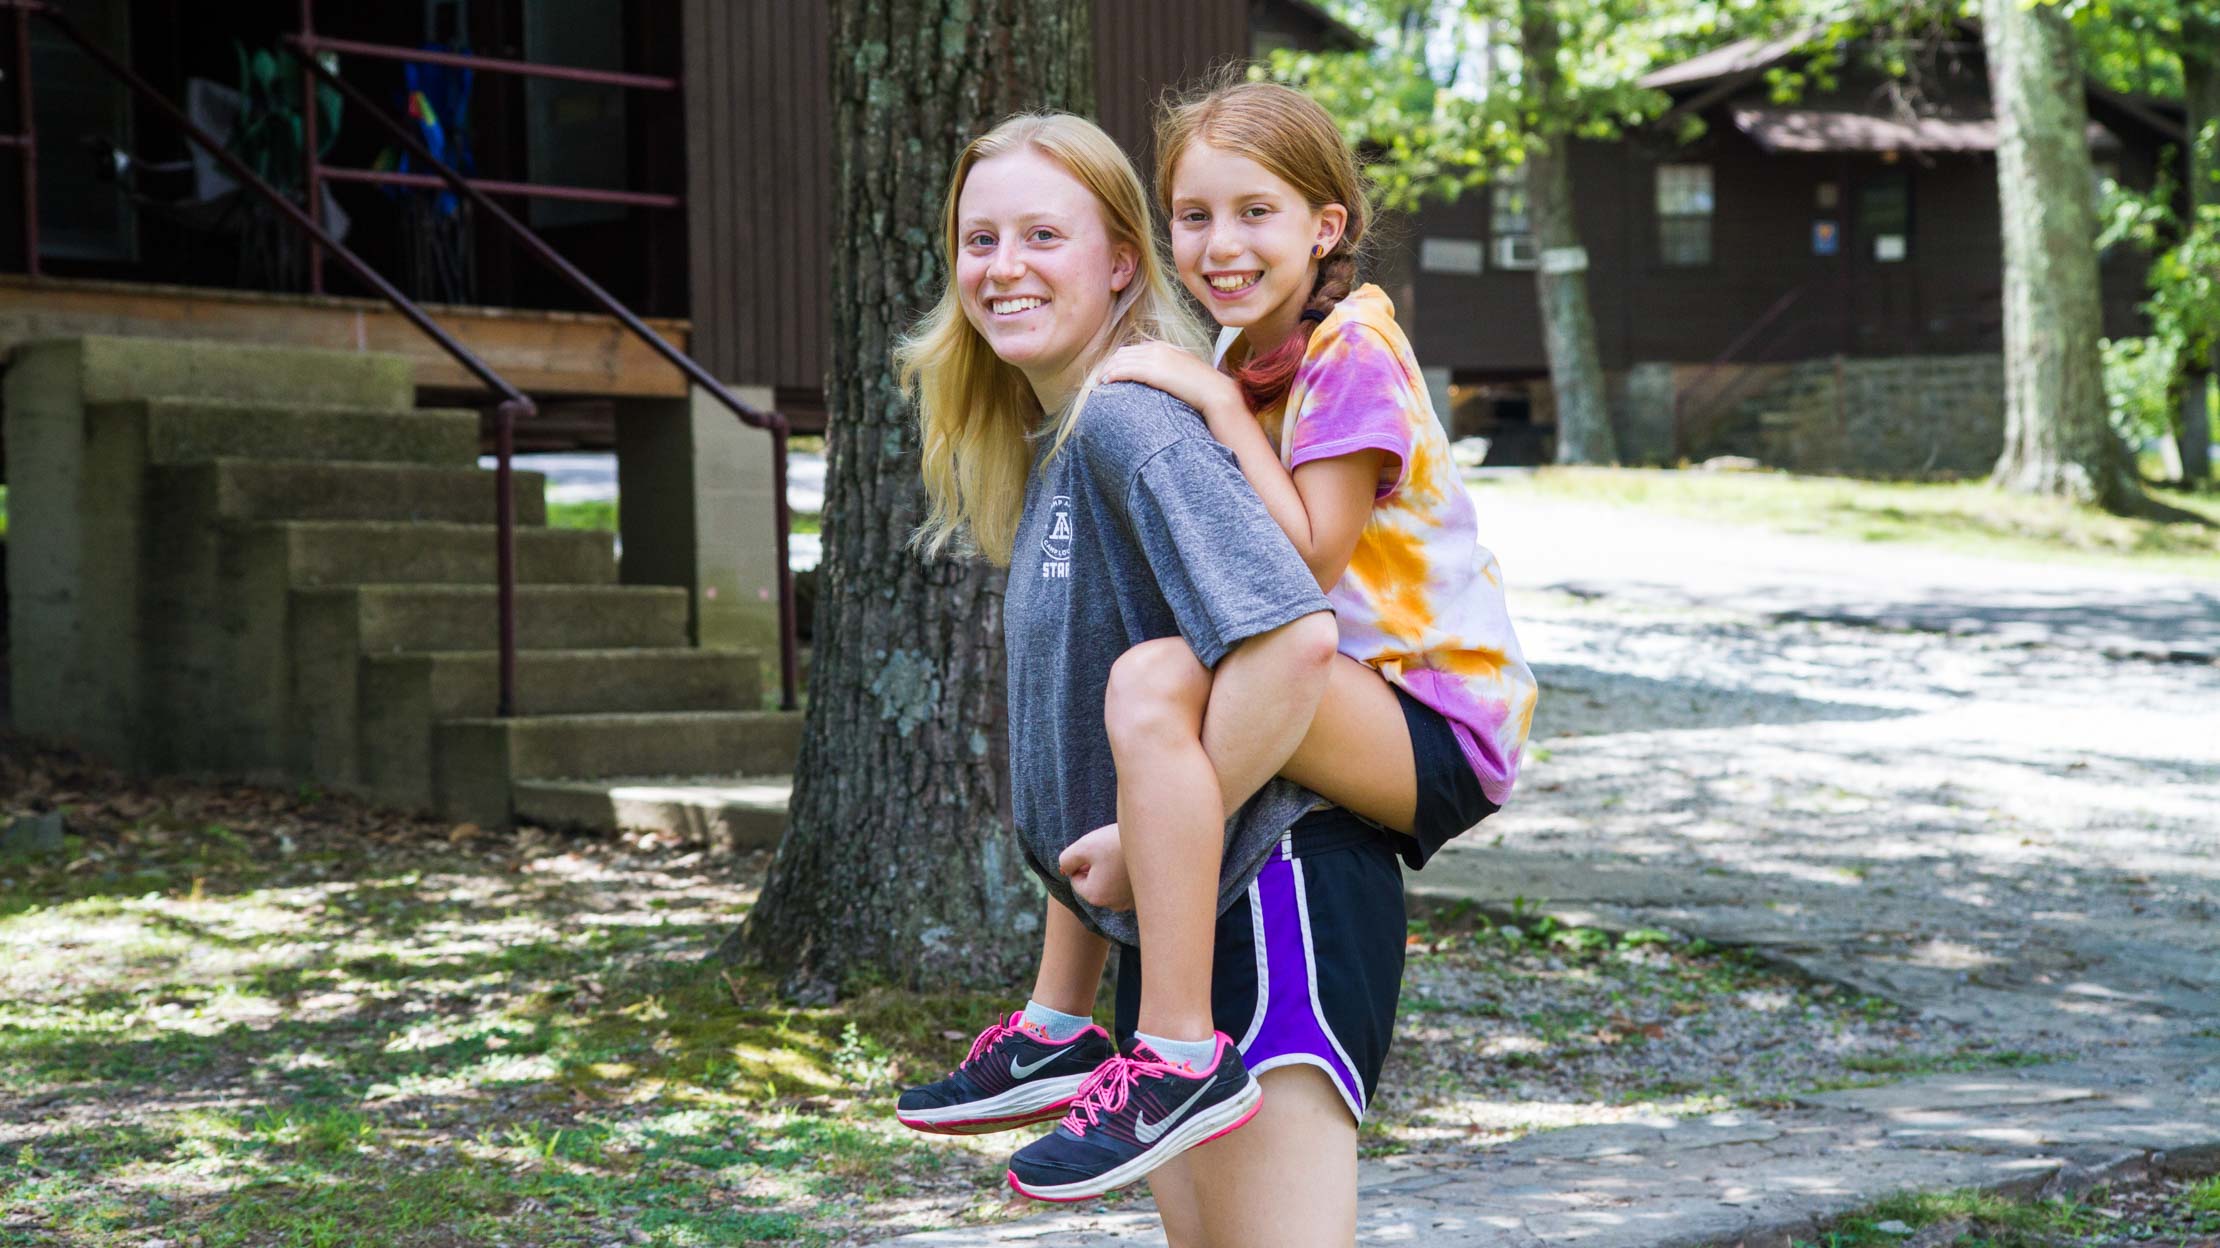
(1106, 1090)
(992, 1036)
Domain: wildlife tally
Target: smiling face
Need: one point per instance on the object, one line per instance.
(1242, 240)
(1037, 271)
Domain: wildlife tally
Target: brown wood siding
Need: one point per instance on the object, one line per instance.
(759, 188)
(1941, 299)
(1144, 46)
(759, 171)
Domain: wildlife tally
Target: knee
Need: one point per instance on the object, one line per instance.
(1157, 692)
(1299, 653)
(1316, 639)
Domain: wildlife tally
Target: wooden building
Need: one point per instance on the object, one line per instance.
(1857, 226)
(721, 144)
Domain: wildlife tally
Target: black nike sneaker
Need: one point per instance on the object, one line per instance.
(1013, 1078)
(1136, 1113)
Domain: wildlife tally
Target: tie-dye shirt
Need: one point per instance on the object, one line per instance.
(1422, 600)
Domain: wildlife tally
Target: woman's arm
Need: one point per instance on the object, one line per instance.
(1322, 507)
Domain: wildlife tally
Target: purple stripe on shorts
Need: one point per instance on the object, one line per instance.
(1291, 1029)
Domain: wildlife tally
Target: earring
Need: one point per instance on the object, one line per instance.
(1317, 250)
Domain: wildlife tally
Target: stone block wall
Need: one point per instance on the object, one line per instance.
(1896, 416)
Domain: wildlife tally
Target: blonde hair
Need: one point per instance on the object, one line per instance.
(975, 412)
(1288, 134)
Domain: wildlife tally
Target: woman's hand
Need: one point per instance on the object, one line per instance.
(1184, 377)
(1095, 865)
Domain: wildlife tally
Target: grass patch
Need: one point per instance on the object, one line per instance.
(2161, 1212)
(595, 514)
(1966, 515)
(233, 1016)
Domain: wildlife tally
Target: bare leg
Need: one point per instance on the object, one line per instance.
(1355, 752)
(1178, 1204)
(1289, 1178)
(1071, 963)
(1170, 826)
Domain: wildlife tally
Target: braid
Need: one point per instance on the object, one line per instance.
(1265, 380)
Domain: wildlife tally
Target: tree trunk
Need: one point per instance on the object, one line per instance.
(2056, 438)
(1561, 278)
(898, 865)
(2200, 78)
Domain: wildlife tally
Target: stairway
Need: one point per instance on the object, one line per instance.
(270, 563)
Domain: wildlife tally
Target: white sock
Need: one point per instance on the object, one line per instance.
(1193, 1054)
(1059, 1025)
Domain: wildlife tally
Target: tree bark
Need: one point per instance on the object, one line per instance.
(2200, 78)
(2056, 438)
(898, 865)
(1584, 433)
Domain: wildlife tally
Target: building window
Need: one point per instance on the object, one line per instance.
(1510, 223)
(1684, 214)
(1885, 216)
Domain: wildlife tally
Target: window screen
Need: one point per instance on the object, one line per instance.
(1684, 214)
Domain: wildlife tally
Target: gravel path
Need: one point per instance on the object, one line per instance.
(1934, 778)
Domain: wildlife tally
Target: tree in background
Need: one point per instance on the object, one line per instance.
(1460, 92)
(2200, 265)
(2057, 438)
(897, 863)
(1551, 91)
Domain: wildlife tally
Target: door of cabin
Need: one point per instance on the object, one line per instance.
(1877, 255)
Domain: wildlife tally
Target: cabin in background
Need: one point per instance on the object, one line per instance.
(1816, 285)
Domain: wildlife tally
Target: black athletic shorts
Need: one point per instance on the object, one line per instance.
(1449, 796)
(1307, 968)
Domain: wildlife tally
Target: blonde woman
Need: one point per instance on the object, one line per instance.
(1121, 521)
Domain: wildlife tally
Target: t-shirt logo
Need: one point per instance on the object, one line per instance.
(1057, 545)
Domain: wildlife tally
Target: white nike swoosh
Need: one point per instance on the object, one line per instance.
(1020, 1070)
(1146, 1131)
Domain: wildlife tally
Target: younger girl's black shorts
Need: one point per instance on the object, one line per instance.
(1308, 967)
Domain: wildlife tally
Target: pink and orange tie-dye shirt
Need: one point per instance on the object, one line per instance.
(1422, 601)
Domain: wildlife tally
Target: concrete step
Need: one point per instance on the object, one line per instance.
(184, 431)
(109, 369)
(359, 552)
(478, 762)
(402, 697)
(272, 489)
(728, 813)
(330, 631)
(384, 619)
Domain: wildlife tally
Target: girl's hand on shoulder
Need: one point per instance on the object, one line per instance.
(1190, 380)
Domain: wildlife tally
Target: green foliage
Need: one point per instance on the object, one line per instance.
(2184, 275)
(1443, 102)
(2139, 387)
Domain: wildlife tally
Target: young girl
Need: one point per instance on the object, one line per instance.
(1426, 708)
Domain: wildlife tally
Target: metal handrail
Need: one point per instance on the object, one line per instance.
(314, 43)
(771, 422)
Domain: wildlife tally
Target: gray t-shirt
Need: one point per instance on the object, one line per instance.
(1140, 527)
